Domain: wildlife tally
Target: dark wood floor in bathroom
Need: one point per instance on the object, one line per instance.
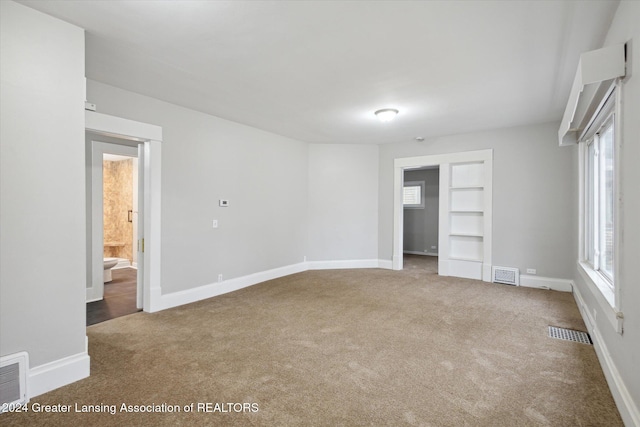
(119, 297)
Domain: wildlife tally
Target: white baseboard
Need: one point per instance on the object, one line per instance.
(92, 295)
(163, 301)
(214, 289)
(387, 264)
(58, 373)
(626, 406)
(554, 284)
(420, 253)
(487, 272)
(342, 264)
(122, 263)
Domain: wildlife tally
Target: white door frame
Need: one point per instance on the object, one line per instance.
(151, 138)
(402, 164)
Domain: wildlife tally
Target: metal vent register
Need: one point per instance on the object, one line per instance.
(13, 380)
(569, 335)
(506, 275)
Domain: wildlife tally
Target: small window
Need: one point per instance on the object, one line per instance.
(413, 195)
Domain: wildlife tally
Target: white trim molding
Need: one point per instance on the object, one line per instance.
(614, 317)
(420, 253)
(175, 299)
(58, 373)
(343, 264)
(119, 127)
(628, 409)
(385, 264)
(562, 285)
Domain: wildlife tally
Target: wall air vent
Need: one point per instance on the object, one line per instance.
(13, 380)
(506, 275)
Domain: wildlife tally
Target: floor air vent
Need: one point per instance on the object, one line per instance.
(13, 380)
(506, 275)
(569, 335)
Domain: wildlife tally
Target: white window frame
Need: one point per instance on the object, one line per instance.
(593, 223)
(420, 184)
(606, 289)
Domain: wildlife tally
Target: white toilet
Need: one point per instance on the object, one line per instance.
(109, 263)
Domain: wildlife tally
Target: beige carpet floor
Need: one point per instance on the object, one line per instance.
(344, 348)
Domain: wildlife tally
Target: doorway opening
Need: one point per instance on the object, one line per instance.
(119, 211)
(464, 216)
(113, 191)
(421, 193)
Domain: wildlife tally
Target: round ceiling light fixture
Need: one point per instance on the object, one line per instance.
(386, 114)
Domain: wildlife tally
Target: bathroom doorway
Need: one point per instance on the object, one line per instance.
(120, 176)
(113, 192)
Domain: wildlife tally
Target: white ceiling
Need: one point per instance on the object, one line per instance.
(317, 70)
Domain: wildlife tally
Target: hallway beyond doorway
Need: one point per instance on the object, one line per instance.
(421, 262)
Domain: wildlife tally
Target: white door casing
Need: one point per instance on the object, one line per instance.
(150, 139)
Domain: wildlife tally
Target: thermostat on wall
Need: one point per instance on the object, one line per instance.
(223, 203)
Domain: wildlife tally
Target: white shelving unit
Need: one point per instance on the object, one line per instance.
(466, 218)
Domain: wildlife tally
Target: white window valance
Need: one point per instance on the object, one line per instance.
(596, 69)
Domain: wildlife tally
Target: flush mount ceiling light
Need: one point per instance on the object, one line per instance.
(386, 114)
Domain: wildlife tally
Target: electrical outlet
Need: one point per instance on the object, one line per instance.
(433, 247)
(531, 271)
(219, 277)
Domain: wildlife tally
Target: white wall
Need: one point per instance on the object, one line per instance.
(204, 159)
(421, 225)
(42, 218)
(343, 202)
(624, 349)
(533, 194)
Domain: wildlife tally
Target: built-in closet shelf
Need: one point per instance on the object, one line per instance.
(466, 212)
(114, 244)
